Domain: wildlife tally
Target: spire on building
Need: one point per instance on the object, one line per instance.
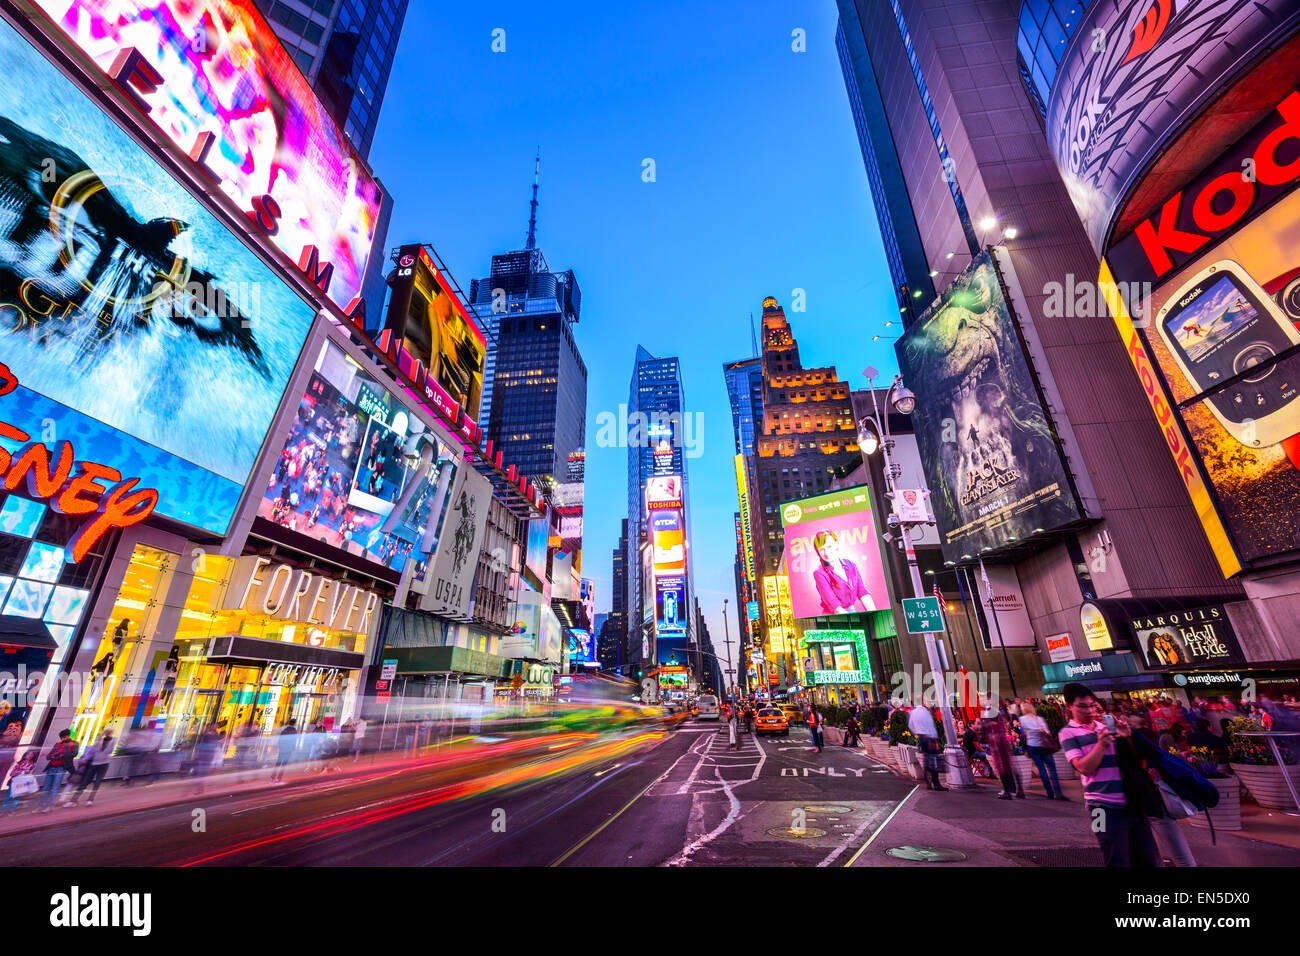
(753, 334)
(532, 214)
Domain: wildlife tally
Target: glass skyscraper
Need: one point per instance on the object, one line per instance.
(345, 49)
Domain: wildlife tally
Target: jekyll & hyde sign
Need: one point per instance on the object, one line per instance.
(1185, 638)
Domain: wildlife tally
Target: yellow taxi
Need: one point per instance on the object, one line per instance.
(792, 713)
(770, 720)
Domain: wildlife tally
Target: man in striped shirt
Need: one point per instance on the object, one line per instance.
(1122, 829)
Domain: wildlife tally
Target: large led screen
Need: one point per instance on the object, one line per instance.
(670, 604)
(436, 329)
(668, 542)
(991, 458)
(1223, 333)
(832, 555)
(343, 476)
(138, 326)
(218, 83)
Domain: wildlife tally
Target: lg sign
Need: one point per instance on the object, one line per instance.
(1260, 169)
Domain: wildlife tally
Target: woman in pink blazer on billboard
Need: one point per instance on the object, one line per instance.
(839, 583)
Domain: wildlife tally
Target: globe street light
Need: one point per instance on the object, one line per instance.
(904, 402)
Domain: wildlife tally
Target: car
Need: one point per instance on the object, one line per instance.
(708, 708)
(792, 712)
(771, 720)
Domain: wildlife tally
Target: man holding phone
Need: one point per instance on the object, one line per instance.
(1092, 741)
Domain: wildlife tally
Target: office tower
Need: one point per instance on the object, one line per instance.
(658, 511)
(744, 380)
(613, 645)
(943, 85)
(345, 49)
(534, 404)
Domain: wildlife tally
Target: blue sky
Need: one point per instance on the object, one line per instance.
(759, 190)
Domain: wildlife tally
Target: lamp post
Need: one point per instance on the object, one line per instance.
(904, 401)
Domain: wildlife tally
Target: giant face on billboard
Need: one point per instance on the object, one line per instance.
(1219, 356)
(435, 329)
(342, 475)
(215, 80)
(137, 324)
(833, 555)
(991, 458)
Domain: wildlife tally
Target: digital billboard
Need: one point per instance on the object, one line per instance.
(215, 80)
(137, 324)
(778, 612)
(747, 540)
(663, 491)
(667, 543)
(1218, 354)
(832, 554)
(991, 458)
(581, 646)
(436, 330)
(535, 553)
(342, 472)
(670, 605)
(1112, 107)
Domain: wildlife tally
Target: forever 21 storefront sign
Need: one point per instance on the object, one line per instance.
(1186, 638)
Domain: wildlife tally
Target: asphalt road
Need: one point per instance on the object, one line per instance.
(682, 798)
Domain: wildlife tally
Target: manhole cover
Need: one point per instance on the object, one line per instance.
(926, 854)
(790, 833)
(828, 808)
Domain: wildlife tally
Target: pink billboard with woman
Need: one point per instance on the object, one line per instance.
(833, 555)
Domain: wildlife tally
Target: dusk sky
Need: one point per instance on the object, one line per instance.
(759, 190)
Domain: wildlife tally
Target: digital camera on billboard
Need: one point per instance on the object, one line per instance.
(1222, 327)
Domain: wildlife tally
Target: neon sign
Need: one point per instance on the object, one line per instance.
(83, 491)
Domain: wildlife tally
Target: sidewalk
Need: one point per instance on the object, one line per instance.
(1036, 831)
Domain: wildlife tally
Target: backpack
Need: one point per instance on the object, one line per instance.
(1182, 778)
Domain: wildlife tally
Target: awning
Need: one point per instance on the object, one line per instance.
(25, 632)
(1136, 682)
(237, 649)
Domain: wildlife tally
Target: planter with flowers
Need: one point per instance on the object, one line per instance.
(1227, 815)
(1021, 766)
(1252, 761)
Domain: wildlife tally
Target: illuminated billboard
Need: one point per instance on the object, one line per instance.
(670, 605)
(663, 491)
(747, 540)
(778, 613)
(581, 646)
(342, 476)
(216, 81)
(1217, 356)
(832, 554)
(992, 461)
(435, 329)
(137, 324)
(667, 543)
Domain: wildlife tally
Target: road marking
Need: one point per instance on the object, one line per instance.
(588, 838)
(864, 846)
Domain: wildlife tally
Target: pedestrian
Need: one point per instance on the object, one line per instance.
(59, 763)
(971, 745)
(1118, 803)
(732, 719)
(1041, 744)
(22, 781)
(94, 762)
(851, 729)
(921, 723)
(287, 747)
(358, 739)
(996, 739)
(208, 754)
(815, 726)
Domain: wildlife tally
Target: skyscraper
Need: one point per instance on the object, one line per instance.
(534, 405)
(807, 440)
(744, 380)
(613, 640)
(345, 49)
(658, 512)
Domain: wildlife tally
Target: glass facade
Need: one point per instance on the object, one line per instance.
(1044, 29)
(345, 49)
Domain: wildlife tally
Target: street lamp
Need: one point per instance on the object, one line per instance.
(904, 402)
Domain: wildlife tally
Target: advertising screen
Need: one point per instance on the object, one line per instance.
(138, 326)
(214, 79)
(663, 491)
(668, 542)
(1219, 356)
(1186, 637)
(581, 646)
(747, 540)
(670, 605)
(342, 477)
(779, 614)
(833, 554)
(992, 461)
(435, 328)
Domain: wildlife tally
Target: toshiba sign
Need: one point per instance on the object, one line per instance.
(1245, 181)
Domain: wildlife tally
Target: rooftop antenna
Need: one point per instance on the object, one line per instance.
(753, 335)
(532, 215)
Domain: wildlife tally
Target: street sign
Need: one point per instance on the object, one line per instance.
(388, 671)
(924, 615)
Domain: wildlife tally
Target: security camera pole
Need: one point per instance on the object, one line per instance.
(959, 774)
